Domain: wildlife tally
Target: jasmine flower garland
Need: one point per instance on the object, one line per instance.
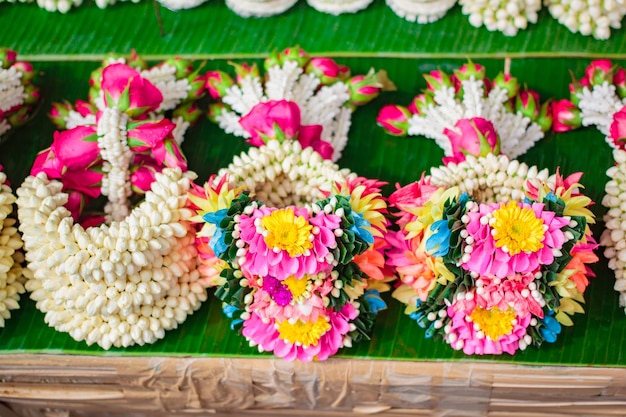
(421, 11)
(259, 8)
(599, 99)
(299, 276)
(127, 275)
(18, 94)
(491, 253)
(12, 275)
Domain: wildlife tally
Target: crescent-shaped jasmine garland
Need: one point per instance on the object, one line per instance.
(128, 274)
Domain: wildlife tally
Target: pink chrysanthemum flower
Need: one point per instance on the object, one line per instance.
(285, 242)
(518, 292)
(487, 331)
(510, 238)
(299, 340)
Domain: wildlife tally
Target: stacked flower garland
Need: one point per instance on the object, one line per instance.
(599, 99)
(293, 242)
(19, 95)
(491, 253)
(127, 280)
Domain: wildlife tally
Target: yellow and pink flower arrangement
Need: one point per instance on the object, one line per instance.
(491, 254)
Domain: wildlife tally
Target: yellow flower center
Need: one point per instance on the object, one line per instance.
(303, 333)
(494, 323)
(517, 229)
(297, 286)
(287, 232)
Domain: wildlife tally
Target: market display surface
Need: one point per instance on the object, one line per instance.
(369, 152)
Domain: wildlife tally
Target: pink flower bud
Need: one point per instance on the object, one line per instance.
(394, 119)
(274, 59)
(85, 108)
(565, 116)
(27, 70)
(7, 57)
(184, 67)
(575, 88)
(125, 89)
(617, 131)
(311, 136)
(474, 136)
(274, 119)
(88, 182)
(507, 82)
(197, 83)
(91, 220)
(297, 54)
(95, 78)
(326, 69)
(527, 103)
(364, 88)
(599, 71)
(544, 120)
(469, 71)
(437, 79)
(77, 148)
(59, 113)
(142, 177)
(46, 162)
(619, 79)
(215, 110)
(32, 95)
(344, 72)
(190, 112)
(244, 70)
(147, 135)
(135, 61)
(76, 202)
(420, 103)
(217, 82)
(19, 117)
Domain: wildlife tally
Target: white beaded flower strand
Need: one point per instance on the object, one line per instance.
(421, 11)
(11, 257)
(284, 174)
(506, 16)
(116, 285)
(590, 18)
(490, 178)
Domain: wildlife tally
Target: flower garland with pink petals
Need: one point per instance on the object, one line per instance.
(599, 99)
(300, 278)
(18, 95)
(301, 98)
(125, 275)
(491, 253)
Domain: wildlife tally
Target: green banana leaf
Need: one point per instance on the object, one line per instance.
(65, 48)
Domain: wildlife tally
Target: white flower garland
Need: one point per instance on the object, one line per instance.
(337, 7)
(597, 107)
(11, 257)
(12, 93)
(421, 11)
(613, 238)
(517, 132)
(181, 4)
(284, 174)
(594, 18)
(506, 16)
(259, 8)
(325, 106)
(489, 179)
(118, 284)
